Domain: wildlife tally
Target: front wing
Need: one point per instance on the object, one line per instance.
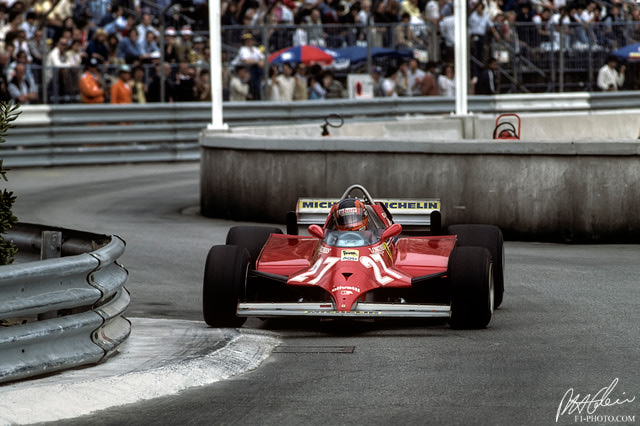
(327, 310)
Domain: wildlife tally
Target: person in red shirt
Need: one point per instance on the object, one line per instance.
(121, 89)
(91, 84)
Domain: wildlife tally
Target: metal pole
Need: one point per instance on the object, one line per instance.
(43, 70)
(369, 41)
(215, 59)
(561, 62)
(461, 57)
(162, 51)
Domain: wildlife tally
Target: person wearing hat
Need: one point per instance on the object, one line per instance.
(184, 43)
(91, 84)
(171, 54)
(196, 54)
(121, 89)
(252, 57)
(609, 78)
(97, 47)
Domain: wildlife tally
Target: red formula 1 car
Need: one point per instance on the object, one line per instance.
(357, 265)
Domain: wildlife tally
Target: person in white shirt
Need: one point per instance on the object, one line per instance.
(479, 24)
(447, 82)
(252, 57)
(365, 12)
(145, 26)
(287, 83)
(300, 36)
(272, 85)
(57, 58)
(609, 78)
(239, 85)
(432, 12)
(390, 83)
(415, 77)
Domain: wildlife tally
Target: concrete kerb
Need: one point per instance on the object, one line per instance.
(150, 364)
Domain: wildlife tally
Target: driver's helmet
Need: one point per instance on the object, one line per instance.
(350, 214)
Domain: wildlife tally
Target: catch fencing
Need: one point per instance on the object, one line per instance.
(60, 312)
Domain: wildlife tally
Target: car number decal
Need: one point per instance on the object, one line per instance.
(382, 274)
(376, 262)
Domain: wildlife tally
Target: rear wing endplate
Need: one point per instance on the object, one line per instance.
(405, 211)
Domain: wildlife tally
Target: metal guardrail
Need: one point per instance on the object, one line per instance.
(98, 134)
(64, 312)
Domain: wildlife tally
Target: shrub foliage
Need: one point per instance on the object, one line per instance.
(8, 114)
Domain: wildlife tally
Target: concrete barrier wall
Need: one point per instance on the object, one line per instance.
(567, 190)
(608, 125)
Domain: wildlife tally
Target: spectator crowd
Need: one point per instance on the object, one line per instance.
(97, 51)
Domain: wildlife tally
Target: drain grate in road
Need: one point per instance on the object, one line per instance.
(315, 349)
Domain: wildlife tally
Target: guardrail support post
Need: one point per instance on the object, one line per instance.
(51, 246)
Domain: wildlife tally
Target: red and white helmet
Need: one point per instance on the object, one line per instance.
(350, 214)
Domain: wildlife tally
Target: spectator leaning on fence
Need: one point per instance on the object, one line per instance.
(486, 83)
(447, 82)
(376, 77)
(609, 78)
(169, 86)
(121, 89)
(138, 86)
(20, 89)
(91, 84)
(287, 83)
(251, 57)
(416, 75)
(429, 86)
(239, 85)
(301, 92)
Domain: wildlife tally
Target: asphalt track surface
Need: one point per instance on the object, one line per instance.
(563, 349)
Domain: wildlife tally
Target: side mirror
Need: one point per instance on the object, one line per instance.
(316, 231)
(392, 231)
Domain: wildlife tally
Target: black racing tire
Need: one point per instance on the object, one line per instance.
(291, 221)
(489, 237)
(436, 223)
(253, 238)
(225, 276)
(471, 279)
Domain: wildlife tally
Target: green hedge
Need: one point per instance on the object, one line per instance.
(8, 114)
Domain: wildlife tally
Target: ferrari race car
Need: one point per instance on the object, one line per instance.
(358, 264)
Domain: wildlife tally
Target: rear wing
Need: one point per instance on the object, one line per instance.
(423, 213)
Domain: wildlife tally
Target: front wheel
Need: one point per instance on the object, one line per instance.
(489, 237)
(470, 275)
(225, 276)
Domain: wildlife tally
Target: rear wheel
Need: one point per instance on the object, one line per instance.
(225, 276)
(253, 238)
(489, 237)
(472, 292)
